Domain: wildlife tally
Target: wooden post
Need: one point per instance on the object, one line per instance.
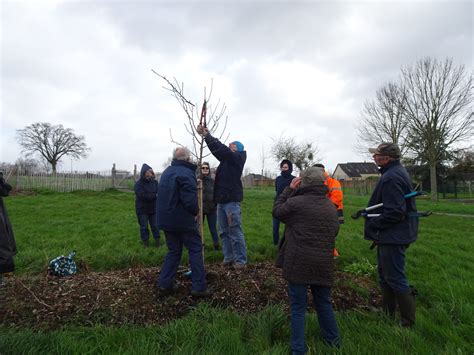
(114, 173)
(18, 178)
(200, 214)
(135, 172)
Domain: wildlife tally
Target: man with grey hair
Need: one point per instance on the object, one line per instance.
(177, 209)
(395, 228)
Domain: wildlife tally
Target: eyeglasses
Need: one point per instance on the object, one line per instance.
(204, 168)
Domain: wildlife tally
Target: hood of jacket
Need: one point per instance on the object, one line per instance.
(145, 168)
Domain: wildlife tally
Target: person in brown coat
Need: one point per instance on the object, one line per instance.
(306, 255)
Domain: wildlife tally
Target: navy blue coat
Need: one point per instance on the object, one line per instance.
(227, 186)
(145, 193)
(394, 225)
(178, 202)
(283, 181)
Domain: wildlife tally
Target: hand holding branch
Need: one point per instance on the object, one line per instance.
(203, 131)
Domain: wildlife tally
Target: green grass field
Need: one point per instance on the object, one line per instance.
(102, 228)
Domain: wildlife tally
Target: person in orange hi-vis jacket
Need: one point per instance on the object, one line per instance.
(335, 195)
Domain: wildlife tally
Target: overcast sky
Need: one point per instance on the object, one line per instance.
(298, 69)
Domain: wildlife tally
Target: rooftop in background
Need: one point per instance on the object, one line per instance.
(355, 171)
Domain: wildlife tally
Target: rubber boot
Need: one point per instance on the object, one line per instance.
(406, 303)
(216, 246)
(389, 301)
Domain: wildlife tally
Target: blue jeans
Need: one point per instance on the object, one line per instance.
(230, 225)
(175, 241)
(327, 321)
(143, 221)
(276, 231)
(211, 222)
(391, 267)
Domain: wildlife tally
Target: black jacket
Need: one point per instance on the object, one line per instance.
(228, 184)
(7, 239)
(208, 204)
(177, 202)
(395, 225)
(145, 193)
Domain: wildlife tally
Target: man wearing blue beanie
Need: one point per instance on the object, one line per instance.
(228, 193)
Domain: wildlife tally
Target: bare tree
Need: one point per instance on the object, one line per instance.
(383, 119)
(210, 116)
(52, 142)
(303, 155)
(438, 111)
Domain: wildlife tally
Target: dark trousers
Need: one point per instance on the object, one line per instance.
(212, 224)
(391, 267)
(276, 231)
(143, 221)
(327, 321)
(175, 241)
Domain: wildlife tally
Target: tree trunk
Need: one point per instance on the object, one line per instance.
(434, 186)
(53, 166)
(200, 214)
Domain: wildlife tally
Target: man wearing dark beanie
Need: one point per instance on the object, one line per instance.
(228, 193)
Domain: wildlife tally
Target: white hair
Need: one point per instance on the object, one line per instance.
(182, 153)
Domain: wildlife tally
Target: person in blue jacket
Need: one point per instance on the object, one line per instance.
(393, 231)
(178, 209)
(282, 181)
(228, 193)
(146, 189)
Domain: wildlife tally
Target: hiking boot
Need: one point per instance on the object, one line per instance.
(198, 294)
(157, 243)
(227, 263)
(389, 301)
(407, 306)
(239, 266)
(166, 291)
(146, 243)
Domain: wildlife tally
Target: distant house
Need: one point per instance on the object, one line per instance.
(355, 171)
(252, 180)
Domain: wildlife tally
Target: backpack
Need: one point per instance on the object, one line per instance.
(63, 265)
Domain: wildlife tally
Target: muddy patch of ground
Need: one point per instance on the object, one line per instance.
(130, 296)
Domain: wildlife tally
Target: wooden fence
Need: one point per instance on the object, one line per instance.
(26, 180)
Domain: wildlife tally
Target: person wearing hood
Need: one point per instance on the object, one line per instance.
(306, 254)
(228, 193)
(146, 190)
(7, 240)
(282, 181)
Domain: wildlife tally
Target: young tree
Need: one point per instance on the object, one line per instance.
(438, 111)
(52, 142)
(383, 119)
(302, 155)
(212, 117)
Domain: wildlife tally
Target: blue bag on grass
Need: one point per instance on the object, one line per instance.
(63, 265)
